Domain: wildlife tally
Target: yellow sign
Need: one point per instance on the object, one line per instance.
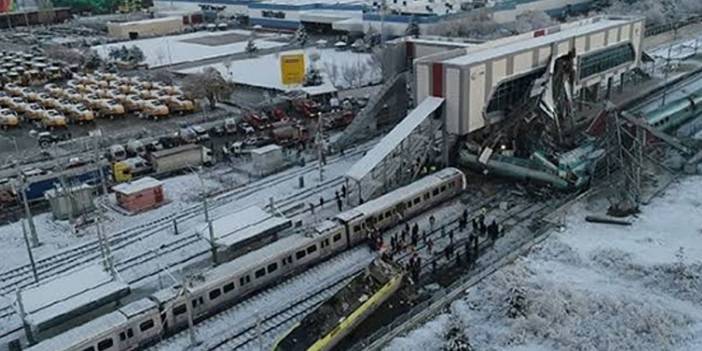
(292, 69)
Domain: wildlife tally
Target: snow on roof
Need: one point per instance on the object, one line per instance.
(150, 20)
(325, 226)
(266, 149)
(174, 150)
(263, 71)
(138, 307)
(245, 224)
(324, 88)
(73, 337)
(401, 194)
(243, 264)
(137, 185)
(393, 139)
(69, 293)
(534, 42)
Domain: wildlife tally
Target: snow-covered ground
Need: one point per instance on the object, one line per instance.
(352, 69)
(168, 50)
(591, 287)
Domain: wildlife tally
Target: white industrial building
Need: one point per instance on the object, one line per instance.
(481, 80)
(361, 15)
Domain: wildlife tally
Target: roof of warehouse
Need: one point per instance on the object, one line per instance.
(393, 139)
(521, 45)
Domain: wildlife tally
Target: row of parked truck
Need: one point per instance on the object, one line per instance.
(88, 96)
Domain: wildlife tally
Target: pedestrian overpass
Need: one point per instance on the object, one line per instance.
(401, 155)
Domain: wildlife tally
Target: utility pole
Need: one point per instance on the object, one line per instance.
(320, 145)
(34, 238)
(205, 206)
(97, 134)
(667, 65)
(382, 23)
(189, 306)
(29, 252)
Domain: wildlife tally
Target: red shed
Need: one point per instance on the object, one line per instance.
(140, 195)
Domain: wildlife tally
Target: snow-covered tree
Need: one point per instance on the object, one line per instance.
(135, 55)
(301, 35)
(209, 84)
(455, 337)
(251, 47)
(412, 28)
(531, 20)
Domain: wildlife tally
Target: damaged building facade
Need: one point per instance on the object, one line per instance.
(482, 82)
(511, 102)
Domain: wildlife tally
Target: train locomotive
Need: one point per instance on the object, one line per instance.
(166, 311)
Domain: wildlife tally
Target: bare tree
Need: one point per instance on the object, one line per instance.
(209, 84)
(531, 20)
(63, 53)
(162, 76)
(332, 71)
(386, 61)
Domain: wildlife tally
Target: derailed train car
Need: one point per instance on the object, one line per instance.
(223, 286)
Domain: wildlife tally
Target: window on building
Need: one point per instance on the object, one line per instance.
(510, 93)
(603, 60)
(273, 14)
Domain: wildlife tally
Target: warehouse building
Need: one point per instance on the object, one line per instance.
(486, 80)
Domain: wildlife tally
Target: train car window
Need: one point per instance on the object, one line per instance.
(416, 201)
(311, 249)
(272, 267)
(244, 280)
(443, 188)
(356, 229)
(215, 294)
(105, 344)
(228, 287)
(89, 349)
(427, 196)
(388, 214)
(435, 192)
(146, 325)
(179, 310)
(130, 333)
(300, 254)
(409, 204)
(336, 237)
(325, 243)
(122, 336)
(260, 273)
(287, 260)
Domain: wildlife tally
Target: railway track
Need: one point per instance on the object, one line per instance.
(21, 277)
(295, 310)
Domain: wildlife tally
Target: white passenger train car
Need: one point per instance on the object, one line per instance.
(166, 311)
